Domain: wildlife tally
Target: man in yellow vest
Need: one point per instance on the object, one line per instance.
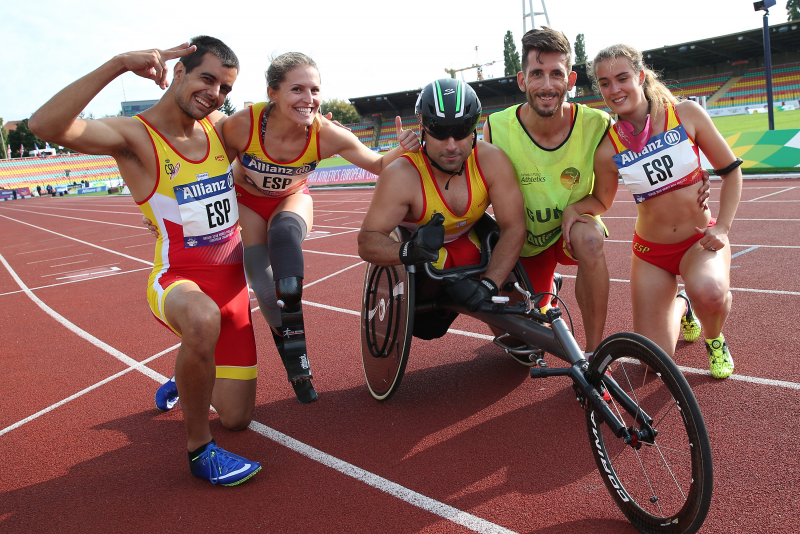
(439, 193)
(176, 167)
(551, 144)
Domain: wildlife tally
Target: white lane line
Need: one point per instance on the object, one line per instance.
(138, 367)
(125, 237)
(110, 269)
(396, 490)
(331, 235)
(413, 498)
(35, 251)
(751, 249)
(744, 378)
(769, 195)
(733, 245)
(104, 275)
(139, 213)
(333, 274)
(82, 269)
(70, 263)
(79, 241)
(334, 219)
(742, 289)
(74, 329)
(332, 254)
(62, 258)
(333, 227)
(153, 244)
(73, 218)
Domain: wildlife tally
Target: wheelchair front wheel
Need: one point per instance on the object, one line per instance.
(663, 481)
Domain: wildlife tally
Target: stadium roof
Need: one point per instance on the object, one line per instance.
(731, 48)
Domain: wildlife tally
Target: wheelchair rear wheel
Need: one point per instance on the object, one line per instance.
(387, 321)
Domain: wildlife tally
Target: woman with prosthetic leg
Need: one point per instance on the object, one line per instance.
(275, 146)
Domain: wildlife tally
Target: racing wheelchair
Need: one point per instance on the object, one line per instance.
(646, 432)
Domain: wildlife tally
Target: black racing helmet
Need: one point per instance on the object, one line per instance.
(448, 108)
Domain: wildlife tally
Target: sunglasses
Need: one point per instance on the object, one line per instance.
(442, 133)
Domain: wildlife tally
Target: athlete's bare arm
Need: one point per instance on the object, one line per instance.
(700, 127)
(346, 144)
(506, 199)
(606, 181)
(397, 196)
(122, 137)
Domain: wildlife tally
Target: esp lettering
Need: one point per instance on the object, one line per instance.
(220, 214)
(661, 168)
(278, 182)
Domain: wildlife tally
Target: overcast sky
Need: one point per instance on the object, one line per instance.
(362, 47)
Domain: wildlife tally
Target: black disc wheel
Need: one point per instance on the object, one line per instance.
(387, 320)
(662, 479)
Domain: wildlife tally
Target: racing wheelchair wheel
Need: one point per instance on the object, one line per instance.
(387, 323)
(663, 480)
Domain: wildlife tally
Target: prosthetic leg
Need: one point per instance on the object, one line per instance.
(291, 342)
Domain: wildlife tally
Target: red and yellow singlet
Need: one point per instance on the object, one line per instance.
(456, 225)
(271, 177)
(193, 204)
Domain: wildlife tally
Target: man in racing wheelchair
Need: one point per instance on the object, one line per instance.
(440, 194)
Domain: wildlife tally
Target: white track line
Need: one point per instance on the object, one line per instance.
(73, 218)
(769, 195)
(433, 506)
(396, 490)
(104, 275)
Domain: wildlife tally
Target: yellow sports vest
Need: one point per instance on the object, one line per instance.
(194, 206)
(455, 224)
(669, 161)
(271, 177)
(549, 180)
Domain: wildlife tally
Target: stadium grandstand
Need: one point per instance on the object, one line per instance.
(58, 171)
(726, 71)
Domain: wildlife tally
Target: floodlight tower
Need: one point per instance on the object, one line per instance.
(764, 6)
(532, 14)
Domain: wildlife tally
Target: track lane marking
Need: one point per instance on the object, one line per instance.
(396, 490)
(62, 258)
(769, 195)
(73, 218)
(104, 275)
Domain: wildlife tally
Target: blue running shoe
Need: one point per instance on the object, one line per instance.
(220, 466)
(167, 395)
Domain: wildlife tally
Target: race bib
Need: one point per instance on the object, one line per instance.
(666, 163)
(208, 210)
(272, 179)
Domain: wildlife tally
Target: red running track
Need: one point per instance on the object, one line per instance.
(468, 444)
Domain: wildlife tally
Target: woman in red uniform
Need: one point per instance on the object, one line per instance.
(654, 147)
(275, 146)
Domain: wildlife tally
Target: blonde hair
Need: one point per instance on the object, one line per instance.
(654, 90)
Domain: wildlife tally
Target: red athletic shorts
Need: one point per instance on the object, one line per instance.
(668, 257)
(264, 206)
(235, 353)
(541, 268)
(460, 252)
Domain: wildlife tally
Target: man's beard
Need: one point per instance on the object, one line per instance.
(188, 109)
(541, 111)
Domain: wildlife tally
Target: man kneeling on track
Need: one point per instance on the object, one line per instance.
(447, 178)
(174, 162)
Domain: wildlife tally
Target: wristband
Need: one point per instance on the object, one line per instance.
(729, 168)
(491, 286)
(406, 258)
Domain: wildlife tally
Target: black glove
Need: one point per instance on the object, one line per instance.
(425, 242)
(470, 292)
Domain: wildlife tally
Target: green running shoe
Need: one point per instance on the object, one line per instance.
(719, 356)
(690, 324)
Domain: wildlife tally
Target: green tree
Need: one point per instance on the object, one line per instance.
(342, 110)
(227, 107)
(3, 140)
(510, 55)
(793, 9)
(22, 135)
(580, 49)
